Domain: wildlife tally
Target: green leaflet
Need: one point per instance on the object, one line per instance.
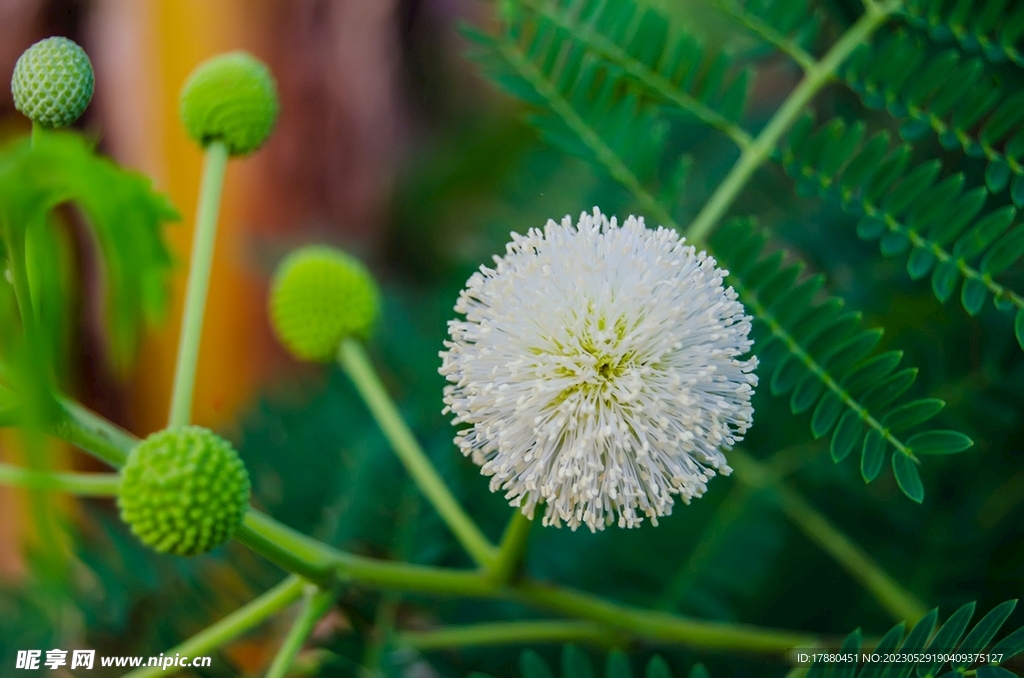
(125, 213)
(856, 392)
(597, 50)
(570, 58)
(946, 227)
(576, 664)
(987, 27)
(954, 98)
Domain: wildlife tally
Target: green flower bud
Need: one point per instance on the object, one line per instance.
(230, 98)
(184, 491)
(53, 82)
(320, 296)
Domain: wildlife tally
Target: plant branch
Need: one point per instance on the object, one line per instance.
(327, 566)
(509, 633)
(214, 168)
(900, 603)
(230, 627)
(82, 484)
(766, 32)
(815, 77)
(356, 363)
(316, 605)
(651, 79)
(511, 549)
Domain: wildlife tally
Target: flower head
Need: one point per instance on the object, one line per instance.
(52, 82)
(320, 296)
(230, 98)
(598, 369)
(184, 490)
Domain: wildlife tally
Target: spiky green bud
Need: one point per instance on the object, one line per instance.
(320, 296)
(230, 98)
(184, 490)
(53, 82)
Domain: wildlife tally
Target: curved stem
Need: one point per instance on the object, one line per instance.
(509, 633)
(317, 603)
(82, 484)
(92, 433)
(816, 76)
(900, 603)
(230, 627)
(654, 625)
(328, 566)
(204, 237)
(356, 363)
(512, 548)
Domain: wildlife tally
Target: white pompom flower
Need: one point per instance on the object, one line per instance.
(599, 370)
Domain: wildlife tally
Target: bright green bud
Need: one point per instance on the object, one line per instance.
(230, 98)
(184, 491)
(320, 296)
(52, 82)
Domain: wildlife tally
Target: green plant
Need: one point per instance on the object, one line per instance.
(544, 379)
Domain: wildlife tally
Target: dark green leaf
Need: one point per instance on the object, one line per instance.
(984, 631)
(531, 665)
(938, 442)
(846, 436)
(575, 663)
(912, 413)
(907, 476)
(1010, 646)
(657, 668)
(947, 638)
(873, 455)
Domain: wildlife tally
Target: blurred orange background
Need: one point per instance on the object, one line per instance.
(325, 175)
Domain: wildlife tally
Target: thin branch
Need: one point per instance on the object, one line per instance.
(82, 484)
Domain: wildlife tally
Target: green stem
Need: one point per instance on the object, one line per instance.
(509, 633)
(231, 626)
(82, 484)
(327, 566)
(35, 386)
(356, 364)
(92, 433)
(512, 548)
(901, 604)
(661, 626)
(816, 76)
(205, 235)
(317, 603)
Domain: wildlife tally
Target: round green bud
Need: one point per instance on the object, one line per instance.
(230, 98)
(184, 490)
(320, 296)
(53, 82)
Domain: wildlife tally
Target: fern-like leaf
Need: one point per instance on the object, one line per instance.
(821, 357)
(992, 27)
(944, 226)
(789, 26)
(639, 53)
(521, 66)
(926, 653)
(954, 99)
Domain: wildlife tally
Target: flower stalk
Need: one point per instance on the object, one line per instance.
(81, 484)
(315, 606)
(214, 169)
(231, 626)
(353, 359)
